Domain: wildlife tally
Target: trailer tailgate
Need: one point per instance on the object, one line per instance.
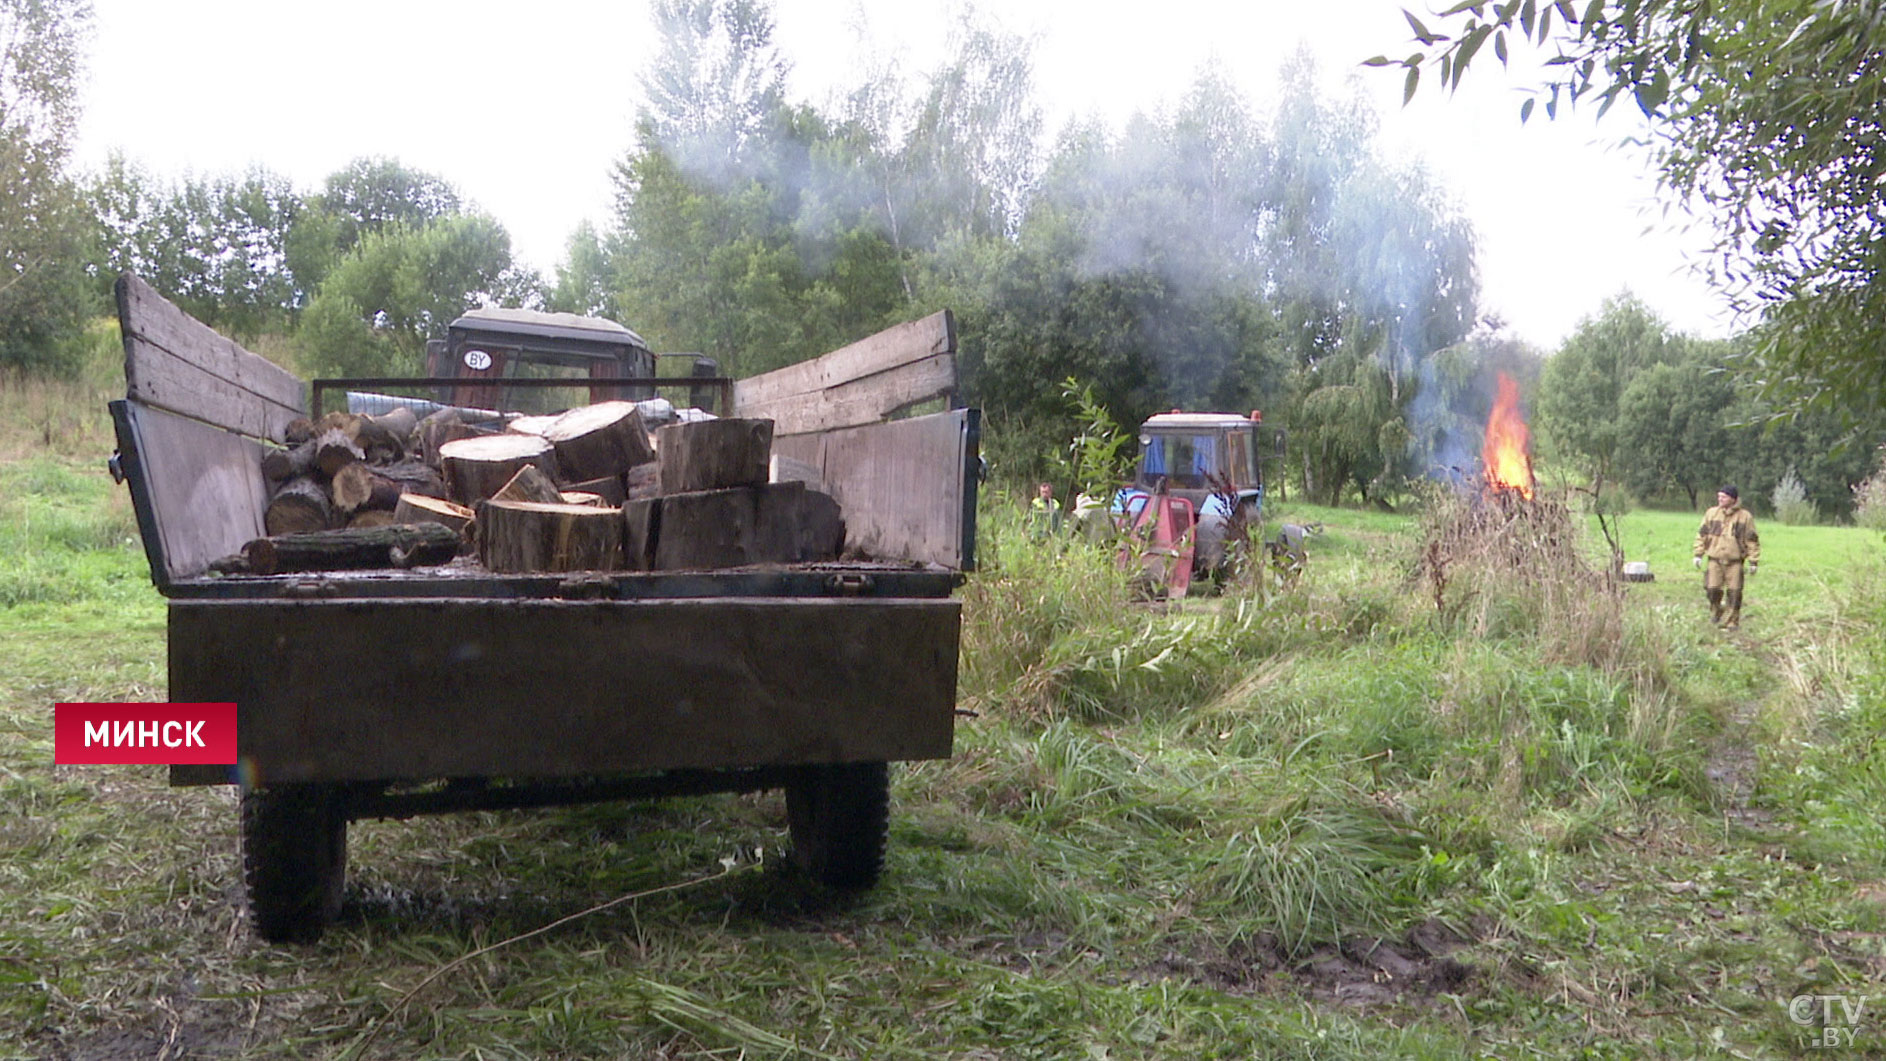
(410, 689)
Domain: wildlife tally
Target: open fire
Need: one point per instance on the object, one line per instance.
(1506, 455)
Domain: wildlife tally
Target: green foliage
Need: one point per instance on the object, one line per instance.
(1783, 171)
(220, 247)
(400, 286)
(1581, 394)
(1869, 497)
(1099, 458)
(44, 297)
(1791, 502)
(1675, 428)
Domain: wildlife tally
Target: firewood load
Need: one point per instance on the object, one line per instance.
(332, 473)
(591, 489)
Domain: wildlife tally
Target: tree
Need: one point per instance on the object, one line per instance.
(1675, 428)
(1584, 383)
(1769, 117)
(366, 196)
(218, 246)
(583, 279)
(44, 294)
(400, 286)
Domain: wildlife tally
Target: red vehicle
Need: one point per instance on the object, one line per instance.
(1200, 474)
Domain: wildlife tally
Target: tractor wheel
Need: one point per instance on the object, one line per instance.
(838, 816)
(294, 860)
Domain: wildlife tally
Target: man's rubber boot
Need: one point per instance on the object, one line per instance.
(1715, 606)
(1734, 620)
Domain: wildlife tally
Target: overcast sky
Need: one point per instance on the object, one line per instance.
(525, 106)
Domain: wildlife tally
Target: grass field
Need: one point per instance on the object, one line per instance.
(1329, 820)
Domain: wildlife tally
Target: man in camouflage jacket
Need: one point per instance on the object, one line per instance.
(1726, 541)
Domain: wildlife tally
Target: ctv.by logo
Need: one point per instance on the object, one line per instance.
(1837, 1015)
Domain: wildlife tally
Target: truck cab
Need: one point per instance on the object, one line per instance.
(487, 344)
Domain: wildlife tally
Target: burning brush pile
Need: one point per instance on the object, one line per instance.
(1499, 558)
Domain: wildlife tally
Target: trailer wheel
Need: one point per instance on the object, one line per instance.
(294, 860)
(838, 816)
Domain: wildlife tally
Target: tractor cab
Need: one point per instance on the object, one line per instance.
(518, 344)
(1199, 474)
(1205, 458)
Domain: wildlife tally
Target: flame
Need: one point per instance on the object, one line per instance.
(1507, 453)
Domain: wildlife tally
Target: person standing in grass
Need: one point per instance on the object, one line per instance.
(1044, 513)
(1725, 542)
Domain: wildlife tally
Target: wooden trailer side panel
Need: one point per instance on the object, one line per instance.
(336, 690)
(197, 489)
(173, 361)
(907, 487)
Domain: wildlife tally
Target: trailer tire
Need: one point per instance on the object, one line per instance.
(838, 816)
(294, 860)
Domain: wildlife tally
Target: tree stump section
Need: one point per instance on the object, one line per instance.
(778, 523)
(714, 455)
(297, 431)
(384, 438)
(440, 428)
(476, 468)
(371, 517)
(414, 477)
(639, 482)
(399, 545)
(531, 425)
(598, 440)
(641, 527)
(609, 488)
(526, 536)
(334, 450)
(418, 508)
(359, 487)
(299, 506)
(529, 484)
(280, 465)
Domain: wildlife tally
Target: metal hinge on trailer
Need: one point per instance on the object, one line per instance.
(850, 584)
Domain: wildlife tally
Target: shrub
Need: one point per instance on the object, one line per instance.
(1869, 497)
(1792, 505)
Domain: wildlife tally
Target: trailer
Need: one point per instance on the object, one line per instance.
(398, 692)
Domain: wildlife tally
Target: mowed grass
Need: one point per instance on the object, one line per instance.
(1309, 821)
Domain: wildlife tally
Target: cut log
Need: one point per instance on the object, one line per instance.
(440, 428)
(529, 484)
(384, 438)
(476, 468)
(641, 528)
(779, 523)
(784, 469)
(279, 465)
(642, 481)
(609, 487)
(531, 425)
(399, 545)
(358, 487)
(597, 440)
(418, 508)
(339, 420)
(714, 455)
(414, 477)
(523, 536)
(297, 431)
(300, 505)
(371, 517)
(334, 450)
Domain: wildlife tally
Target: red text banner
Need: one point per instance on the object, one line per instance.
(131, 734)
